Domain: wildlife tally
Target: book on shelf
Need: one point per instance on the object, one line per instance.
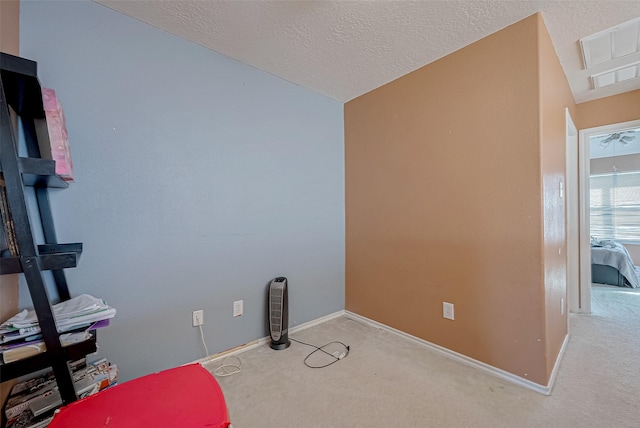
(24, 348)
(8, 226)
(19, 399)
(8, 238)
(27, 419)
(32, 403)
(54, 144)
(29, 349)
(69, 314)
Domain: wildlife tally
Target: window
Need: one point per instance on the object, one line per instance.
(615, 206)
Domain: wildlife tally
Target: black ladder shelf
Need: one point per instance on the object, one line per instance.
(21, 99)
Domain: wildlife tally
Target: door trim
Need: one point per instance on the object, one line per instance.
(572, 221)
(585, 238)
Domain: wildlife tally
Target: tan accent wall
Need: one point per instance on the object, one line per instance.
(9, 36)
(555, 97)
(606, 111)
(634, 252)
(10, 26)
(444, 202)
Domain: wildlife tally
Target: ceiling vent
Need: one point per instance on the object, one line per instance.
(617, 75)
(617, 42)
(612, 55)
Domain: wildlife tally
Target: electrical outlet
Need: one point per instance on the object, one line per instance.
(198, 318)
(447, 310)
(237, 308)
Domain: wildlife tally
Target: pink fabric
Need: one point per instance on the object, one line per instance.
(58, 137)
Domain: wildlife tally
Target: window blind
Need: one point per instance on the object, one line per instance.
(615, 206)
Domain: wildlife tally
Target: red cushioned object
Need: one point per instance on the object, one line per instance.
(184, 397)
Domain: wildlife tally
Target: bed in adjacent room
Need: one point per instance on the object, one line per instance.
(611, 264)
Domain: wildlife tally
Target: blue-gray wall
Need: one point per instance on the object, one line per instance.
(198, 180)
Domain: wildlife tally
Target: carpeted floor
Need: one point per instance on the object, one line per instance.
(389, 381)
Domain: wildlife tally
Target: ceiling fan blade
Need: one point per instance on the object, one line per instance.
(607, 140)
(626, 139)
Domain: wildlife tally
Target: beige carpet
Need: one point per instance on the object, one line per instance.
(389, 381)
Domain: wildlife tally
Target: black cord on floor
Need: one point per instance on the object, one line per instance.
(321, 349)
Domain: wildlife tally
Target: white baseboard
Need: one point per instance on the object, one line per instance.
(316, 321)
(494, 371)
(556, 366)
(263, 340)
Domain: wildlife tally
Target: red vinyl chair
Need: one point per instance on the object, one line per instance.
(182, 397)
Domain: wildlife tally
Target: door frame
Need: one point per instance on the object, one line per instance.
(585, 235)
(572, 221)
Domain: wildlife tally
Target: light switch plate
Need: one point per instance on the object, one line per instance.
(447, 310)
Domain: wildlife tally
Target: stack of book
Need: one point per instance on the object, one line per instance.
(32, 403)
(20, 335)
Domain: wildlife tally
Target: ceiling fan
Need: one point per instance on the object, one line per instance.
(624, 137)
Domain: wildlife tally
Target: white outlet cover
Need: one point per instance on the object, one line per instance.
(198, 318)
(238, 308)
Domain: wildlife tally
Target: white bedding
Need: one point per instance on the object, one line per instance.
(610, 253)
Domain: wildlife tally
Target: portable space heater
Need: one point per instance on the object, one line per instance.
(279, 314)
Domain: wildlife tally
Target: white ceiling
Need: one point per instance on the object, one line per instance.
(344, 49)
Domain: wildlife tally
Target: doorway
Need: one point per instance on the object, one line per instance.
(580, 290)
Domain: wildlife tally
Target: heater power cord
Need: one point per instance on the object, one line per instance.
(228, 369)
(338, 357)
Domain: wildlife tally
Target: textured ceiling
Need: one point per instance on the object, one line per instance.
(344, 49)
